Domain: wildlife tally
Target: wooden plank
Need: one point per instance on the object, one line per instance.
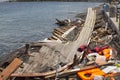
(50, 38)
(59, 37)
(68, 31)
(61, 71)
(85, 34)
(57, 32)
(60, 30)
(65, 28)
(74, 71)
(10, 69)
(40, 74)
(54, 38)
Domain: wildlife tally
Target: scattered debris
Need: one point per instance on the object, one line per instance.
(95, 59)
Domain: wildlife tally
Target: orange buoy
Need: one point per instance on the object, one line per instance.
(107, 53)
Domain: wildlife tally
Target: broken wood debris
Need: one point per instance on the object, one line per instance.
(10, 69)
(49, 51)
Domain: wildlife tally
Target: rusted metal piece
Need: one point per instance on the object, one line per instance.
(10, 69)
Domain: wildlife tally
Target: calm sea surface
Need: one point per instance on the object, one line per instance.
(23, 22)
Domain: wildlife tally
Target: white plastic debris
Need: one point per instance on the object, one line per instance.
(108, 69)
(100, 59)
(98, 77)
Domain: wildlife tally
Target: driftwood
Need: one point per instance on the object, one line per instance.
(67, 66)
(60, 30)
(74, 71)
(68, 31)
(65, 27)
(40, 74)
(59, 37)
(50, 38)
(54, 38)
(57, 32)
(10, 69)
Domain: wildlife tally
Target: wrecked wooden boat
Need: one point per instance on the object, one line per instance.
(68, 22)
(62, 22)
(44, 56)
(57, 57)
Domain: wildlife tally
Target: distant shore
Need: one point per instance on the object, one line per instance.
(57, 0)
